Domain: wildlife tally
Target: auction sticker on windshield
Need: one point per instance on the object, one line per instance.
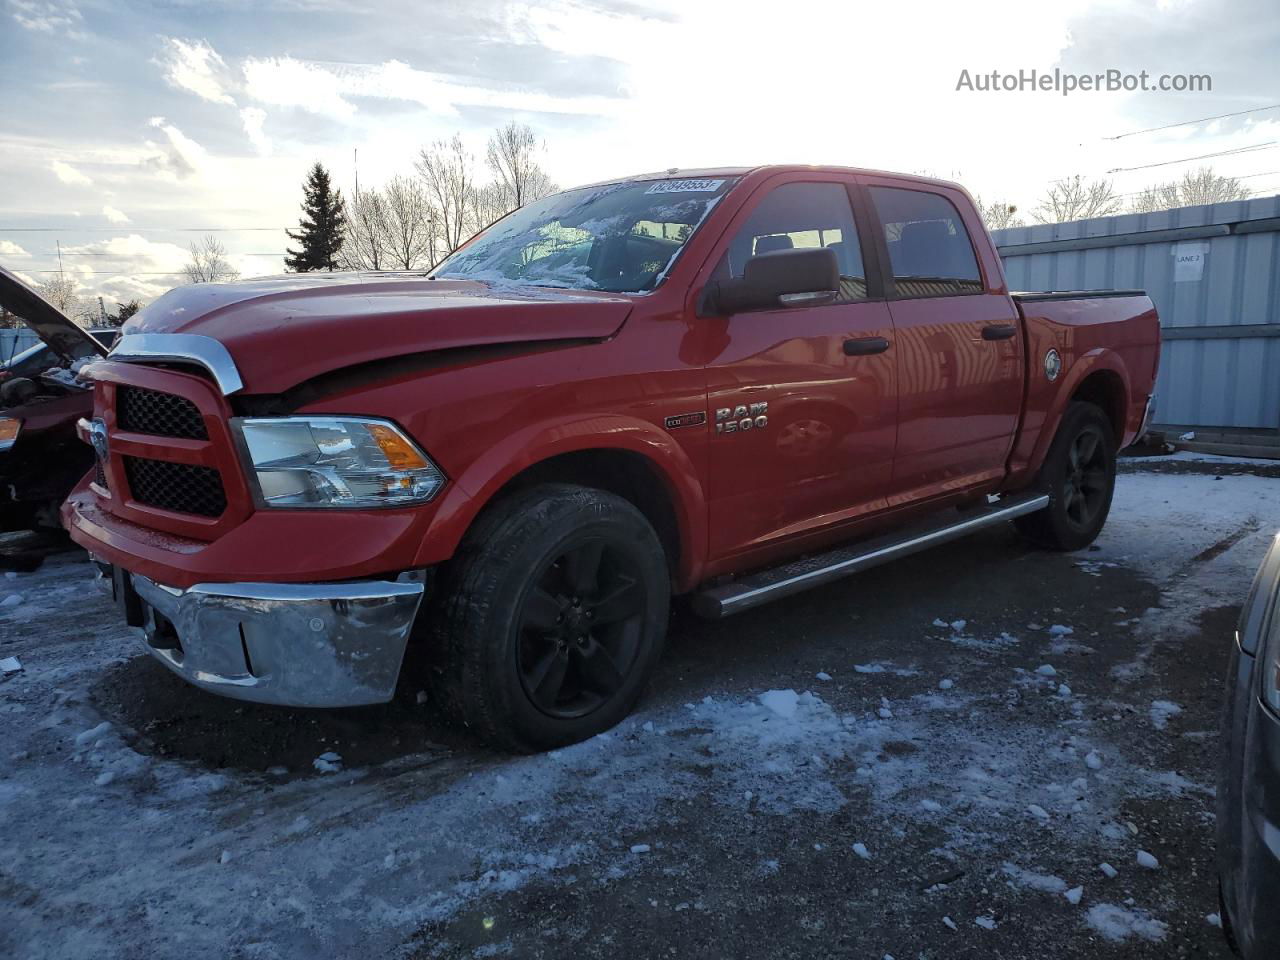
(685, 186)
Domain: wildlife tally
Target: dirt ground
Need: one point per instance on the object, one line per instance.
(932, 760)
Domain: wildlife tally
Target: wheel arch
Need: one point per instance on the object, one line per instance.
(630, 458)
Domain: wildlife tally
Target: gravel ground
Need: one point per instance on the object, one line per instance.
(933, 759)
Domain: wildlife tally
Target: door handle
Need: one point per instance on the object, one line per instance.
(998, 331)
(865, 346)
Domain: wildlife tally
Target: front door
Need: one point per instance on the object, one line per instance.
(802, 399)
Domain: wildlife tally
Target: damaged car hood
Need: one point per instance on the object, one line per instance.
(282, 331)
(63, 335)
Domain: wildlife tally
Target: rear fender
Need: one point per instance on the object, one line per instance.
(1033, 442)
(488, 475)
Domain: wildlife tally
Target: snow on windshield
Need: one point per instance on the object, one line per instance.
(621, 237)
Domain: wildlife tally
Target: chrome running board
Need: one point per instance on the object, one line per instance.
(812, 571)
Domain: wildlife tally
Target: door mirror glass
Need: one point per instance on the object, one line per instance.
(783, 278)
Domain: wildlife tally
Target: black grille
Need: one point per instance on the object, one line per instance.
(161, 414)
(179, 487)
(99, 475)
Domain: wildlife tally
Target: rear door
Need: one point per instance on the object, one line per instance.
(958, 342)
(803, 399)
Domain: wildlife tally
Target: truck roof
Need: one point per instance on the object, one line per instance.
(698, 173)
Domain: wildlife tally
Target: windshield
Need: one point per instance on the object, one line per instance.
(621, 237)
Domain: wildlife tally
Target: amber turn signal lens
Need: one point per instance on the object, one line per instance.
(9, 427)
(399, 453)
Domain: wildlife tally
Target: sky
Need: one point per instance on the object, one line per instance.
(130, 129)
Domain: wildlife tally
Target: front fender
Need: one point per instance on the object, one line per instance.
(485, 478)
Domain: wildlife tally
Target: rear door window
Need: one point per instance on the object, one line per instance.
(797, 216)
(930, 252)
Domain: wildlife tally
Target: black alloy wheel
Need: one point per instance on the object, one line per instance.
(580, 628)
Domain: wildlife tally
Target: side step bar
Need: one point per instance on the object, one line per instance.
(759, 588)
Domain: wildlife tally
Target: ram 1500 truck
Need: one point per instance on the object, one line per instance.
(729, 383)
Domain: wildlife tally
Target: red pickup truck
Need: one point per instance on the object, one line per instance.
(729, 383)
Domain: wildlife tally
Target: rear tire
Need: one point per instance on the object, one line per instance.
(552, 617)
(1079, 474)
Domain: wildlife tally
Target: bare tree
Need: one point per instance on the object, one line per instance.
(489, 204)
(60, 290)
(209, 263)
(367, 233)
(447, 170)
(512, 156)
(999, 214)
(410, 224)
(1195, 188)
(1077, 199)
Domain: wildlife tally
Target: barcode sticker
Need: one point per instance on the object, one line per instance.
(686, 186)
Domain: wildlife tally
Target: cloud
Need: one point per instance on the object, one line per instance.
(178, 158)
(48, 16)
(327, 89)
(10, 249)
(114, 215)
(126, 267)
(69, 174)
(194, 66)
(253, 118)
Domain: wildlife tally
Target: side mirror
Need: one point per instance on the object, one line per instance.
(786, 278)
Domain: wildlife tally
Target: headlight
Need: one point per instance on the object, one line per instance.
(9, 427)
(335, 462)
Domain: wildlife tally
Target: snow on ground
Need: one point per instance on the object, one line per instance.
(109, 850)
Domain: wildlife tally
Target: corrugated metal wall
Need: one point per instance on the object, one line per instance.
(1213, 273)
(13, 340)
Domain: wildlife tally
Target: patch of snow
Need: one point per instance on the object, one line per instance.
(1161, 711)
(1044, 882)
(1073, 895)
(823, 675)
(89, 736)
(1214, 920)
(1118, 924)
(12, 600)
(1108, 871)
(329, 762)
(640, 848)
(951, 924)
(986, 923)
(945, 684)
(780, 702)
(861, 850)
(1092, 760)
(1060, 630)
(959, 625)
(1046, 670)
(1147, 860)
(1037, 811)
(10, 665)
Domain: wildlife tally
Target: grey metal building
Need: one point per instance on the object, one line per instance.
(1213, 273)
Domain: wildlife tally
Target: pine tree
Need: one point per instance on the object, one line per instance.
(322, 227)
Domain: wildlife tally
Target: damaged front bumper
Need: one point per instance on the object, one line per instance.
(295, 644)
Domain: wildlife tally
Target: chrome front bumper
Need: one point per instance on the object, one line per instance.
(302, 645)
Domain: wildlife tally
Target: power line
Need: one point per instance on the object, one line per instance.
(130, 229)
(1187, 123)
(99, 253)
(1270, 144)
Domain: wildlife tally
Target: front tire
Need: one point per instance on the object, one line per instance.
(1079, 474)
(553, 617)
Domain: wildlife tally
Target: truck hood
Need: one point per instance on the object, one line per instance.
(51, 325)
(282, 331)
